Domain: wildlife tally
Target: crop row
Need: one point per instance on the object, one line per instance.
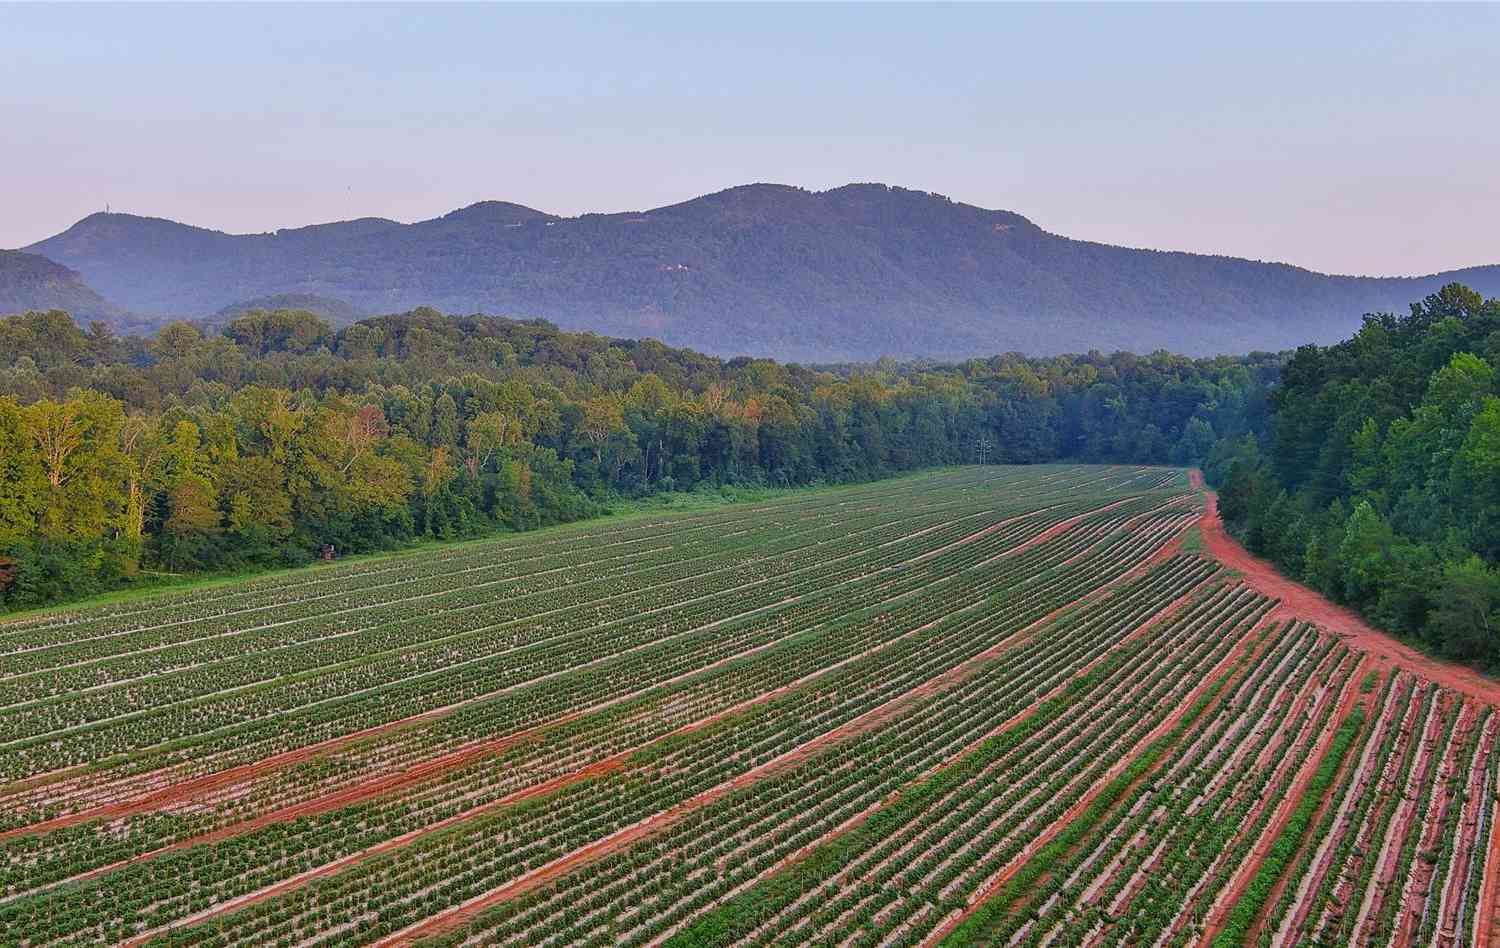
(581, 741)
(574, 544)
(1022, 606)
(322, 637)
(646, 894)
(765, 624)
(469, 863)
(897, 875)
(563, 639)
(1131, 864)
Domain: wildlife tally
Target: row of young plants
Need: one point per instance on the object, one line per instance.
(1306, 890)
(513, 559)
(899, 889)
(211, 599)
(1441, 834)
(1418, 911)
(445, 574)
(1247, 908)
(354, 893)
(1399, 848)
(1010, 767)
(776, 620)
(702, 861)
(1446, 874)
(668, 768)
(1066, 879)
(94, 781)
(692, 887)
(1400, 919)
(1045, 605)
(451, 572)
(469, 614)
(806, 653)
(162, 649)
(1190, 886)
(1113, 862)
(584, 637)
(569, 543)
(293, 586)
(1347, 902)
(1461, 913)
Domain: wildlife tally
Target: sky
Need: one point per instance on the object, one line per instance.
(1345, 138)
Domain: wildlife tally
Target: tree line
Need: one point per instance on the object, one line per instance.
(1377, 479)
(261, 442)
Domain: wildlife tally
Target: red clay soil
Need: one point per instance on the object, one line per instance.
(600, 768)
(859, 819)
(1297, 600)
(461, 914)
(1468, 837)
(186, 790)
(1414, 895)
(1487, 924)
(992, 885)
(1247, 870)
(1350, 762)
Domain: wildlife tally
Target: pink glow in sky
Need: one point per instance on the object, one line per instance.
(1345, 138)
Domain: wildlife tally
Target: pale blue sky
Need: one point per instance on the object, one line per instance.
(1361, 139)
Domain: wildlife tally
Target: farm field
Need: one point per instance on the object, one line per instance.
(977, 706)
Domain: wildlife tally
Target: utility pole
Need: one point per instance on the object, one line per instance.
(982, 445)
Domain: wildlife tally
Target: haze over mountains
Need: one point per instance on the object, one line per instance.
(853, 273)
(29, 281)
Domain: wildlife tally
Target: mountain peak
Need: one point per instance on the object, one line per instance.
(850, 273)
(494, 213)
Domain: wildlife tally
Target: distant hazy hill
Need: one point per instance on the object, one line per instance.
(336, 312)
(853, 273)
(29, 281)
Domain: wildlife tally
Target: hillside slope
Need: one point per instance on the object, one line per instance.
(29, 281)
(852, 273)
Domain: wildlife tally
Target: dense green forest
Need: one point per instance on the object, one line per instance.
(1369, 469)
(1377, 480)
(260, 442)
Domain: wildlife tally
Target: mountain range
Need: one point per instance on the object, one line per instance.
(853, 273)
(31, 281)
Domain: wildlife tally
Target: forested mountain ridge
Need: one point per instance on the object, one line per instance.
(850, 274)
(260, 442)
(29, 281)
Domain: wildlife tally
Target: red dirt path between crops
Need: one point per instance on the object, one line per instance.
(459, 915)
(1487, 924)
(1250, 868)
(859, 819)
(1299, 601)
(991, 886)
(464, 912)
(185, 790)
(597, 769)
(417, 773)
